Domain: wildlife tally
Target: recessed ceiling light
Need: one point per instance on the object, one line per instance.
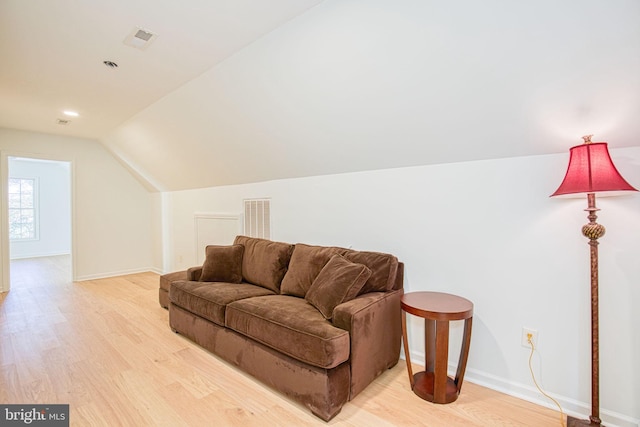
(71, 113)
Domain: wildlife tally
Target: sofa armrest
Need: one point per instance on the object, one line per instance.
(194, 273)
(374, 324)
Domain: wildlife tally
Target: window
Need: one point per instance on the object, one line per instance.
(22, 209)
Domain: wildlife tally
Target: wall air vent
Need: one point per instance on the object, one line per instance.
(140, 38)
(257, 218)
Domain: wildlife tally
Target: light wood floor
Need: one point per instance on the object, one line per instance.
(105, 348)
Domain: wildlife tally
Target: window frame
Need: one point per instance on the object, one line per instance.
(35, 209)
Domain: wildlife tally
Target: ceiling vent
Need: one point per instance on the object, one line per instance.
(140, 38)
(63, 122)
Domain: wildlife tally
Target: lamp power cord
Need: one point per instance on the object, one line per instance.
(562, 416)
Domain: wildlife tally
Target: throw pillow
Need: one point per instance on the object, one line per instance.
(223, 264)
(305, 265)
(339, 281)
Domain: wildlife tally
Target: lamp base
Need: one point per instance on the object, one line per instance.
(575, 422)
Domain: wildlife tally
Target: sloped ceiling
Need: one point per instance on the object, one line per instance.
(52, 53)
(371, 84)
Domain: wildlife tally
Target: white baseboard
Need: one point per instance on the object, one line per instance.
(106, 275)
(531, 394)
(157, 271)
(39, 255)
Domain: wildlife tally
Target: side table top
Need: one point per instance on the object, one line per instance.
(437, 305)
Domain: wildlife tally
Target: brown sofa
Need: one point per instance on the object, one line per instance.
(316, 323)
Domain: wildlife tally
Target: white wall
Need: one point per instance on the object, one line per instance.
(486, 230)
(53, 206)
(113, 214)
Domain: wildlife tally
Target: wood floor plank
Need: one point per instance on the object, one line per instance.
(105, 348)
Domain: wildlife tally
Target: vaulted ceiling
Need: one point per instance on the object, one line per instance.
(52, 55)
(236, 91)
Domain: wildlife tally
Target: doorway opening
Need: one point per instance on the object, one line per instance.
(38, 221)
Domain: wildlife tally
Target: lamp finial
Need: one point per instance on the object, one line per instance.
(587, 139)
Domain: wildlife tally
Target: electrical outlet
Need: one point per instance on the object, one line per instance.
(526, 332)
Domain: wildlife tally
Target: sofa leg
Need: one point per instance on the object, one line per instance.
(326, 416)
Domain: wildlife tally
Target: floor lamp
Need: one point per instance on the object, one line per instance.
(591, 171)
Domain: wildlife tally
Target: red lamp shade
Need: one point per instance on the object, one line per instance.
(591, 170)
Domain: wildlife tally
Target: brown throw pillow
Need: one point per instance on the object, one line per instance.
(305, 265)
(339, 281)
(223, 264)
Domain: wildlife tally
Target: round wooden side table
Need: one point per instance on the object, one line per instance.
(437, 309)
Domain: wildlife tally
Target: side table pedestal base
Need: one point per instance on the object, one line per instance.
(424, 388)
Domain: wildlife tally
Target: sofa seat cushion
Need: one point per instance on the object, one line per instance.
(210, 299)
(166, 279)
(291, 326)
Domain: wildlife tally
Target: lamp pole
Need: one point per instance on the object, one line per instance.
(593, 231)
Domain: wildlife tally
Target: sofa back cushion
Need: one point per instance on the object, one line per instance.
(305, 265)
(384, 268)
(222, 264)
(264, 262)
